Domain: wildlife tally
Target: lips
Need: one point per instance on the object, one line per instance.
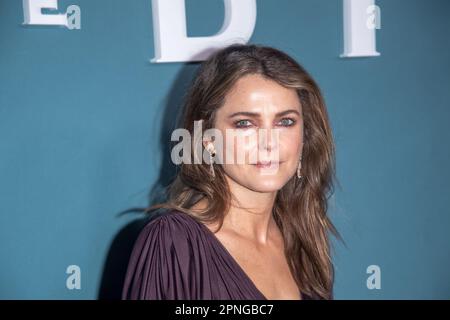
(266, 164)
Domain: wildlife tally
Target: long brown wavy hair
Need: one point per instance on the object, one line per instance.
(300, 208)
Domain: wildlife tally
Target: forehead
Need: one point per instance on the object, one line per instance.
(256, 92)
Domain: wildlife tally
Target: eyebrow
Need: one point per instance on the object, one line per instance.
(257, 115)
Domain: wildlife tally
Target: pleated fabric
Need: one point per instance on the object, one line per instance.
(176, 257)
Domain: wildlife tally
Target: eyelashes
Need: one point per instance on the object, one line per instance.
(239, 123)
(246, 123)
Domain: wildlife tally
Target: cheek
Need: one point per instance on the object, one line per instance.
(290, 142)
(239, 144)
(245, 146)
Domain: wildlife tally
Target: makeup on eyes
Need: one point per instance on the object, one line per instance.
(238, 123)
(253, 116)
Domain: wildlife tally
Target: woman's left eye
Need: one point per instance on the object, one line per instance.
(287, 122)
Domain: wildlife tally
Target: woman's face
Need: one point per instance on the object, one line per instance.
(252, 104)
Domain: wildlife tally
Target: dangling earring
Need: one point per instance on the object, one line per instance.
(212, 153)
(299, 167)
(211, 167)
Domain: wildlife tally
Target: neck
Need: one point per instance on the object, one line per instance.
(250, 214)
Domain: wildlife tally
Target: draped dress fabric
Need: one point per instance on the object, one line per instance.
(176, 257)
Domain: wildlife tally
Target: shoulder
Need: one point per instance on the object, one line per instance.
(169, 235)
(172, 216)
(166, 258)
(172, 226)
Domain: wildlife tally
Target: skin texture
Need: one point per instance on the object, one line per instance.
(249, 231)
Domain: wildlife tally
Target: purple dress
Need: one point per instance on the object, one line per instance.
(176, 257)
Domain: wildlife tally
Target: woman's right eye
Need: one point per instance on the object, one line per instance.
(242, 123)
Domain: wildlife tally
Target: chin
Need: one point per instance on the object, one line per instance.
(266, 184)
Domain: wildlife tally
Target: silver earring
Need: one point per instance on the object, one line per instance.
(212, 153)
(210, 148)
(299, 167)
(211, 160)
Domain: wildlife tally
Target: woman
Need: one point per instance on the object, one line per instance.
(254, 229)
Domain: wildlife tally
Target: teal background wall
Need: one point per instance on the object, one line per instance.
(85, 119)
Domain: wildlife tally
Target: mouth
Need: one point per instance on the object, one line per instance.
(267, 164)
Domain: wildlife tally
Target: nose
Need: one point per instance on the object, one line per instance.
(268, 139)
